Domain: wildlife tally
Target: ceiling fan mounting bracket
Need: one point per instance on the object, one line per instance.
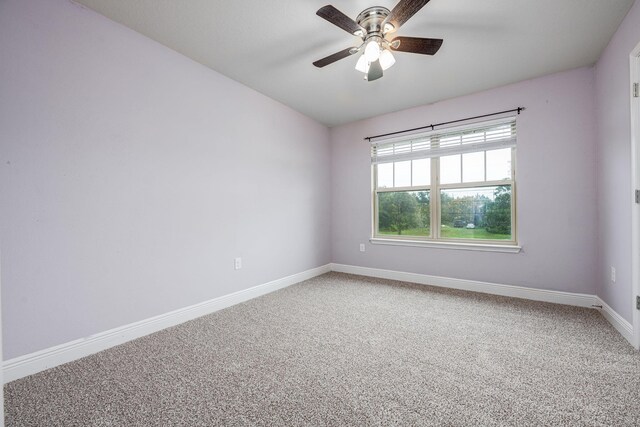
(372, 20)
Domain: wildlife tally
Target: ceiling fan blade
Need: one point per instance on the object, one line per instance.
(375, 71)
(416, 45)
(335, 57)
(404, 10)
(339, 19)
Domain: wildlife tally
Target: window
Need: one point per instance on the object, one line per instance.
(454, 185)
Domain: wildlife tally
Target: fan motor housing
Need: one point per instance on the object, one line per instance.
(372, 18)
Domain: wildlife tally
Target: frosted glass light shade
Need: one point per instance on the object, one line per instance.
(372, 51)
(362, 65)
(386, 59)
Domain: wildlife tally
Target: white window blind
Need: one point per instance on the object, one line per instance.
(463, 139)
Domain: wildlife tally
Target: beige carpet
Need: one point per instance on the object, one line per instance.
(347, 350)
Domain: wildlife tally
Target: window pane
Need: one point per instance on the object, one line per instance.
(421, 172)
(473, 167)
(405, 213)
(385, 175)
(450, 169)
(499, 164)
(476, 213)
(403, 174)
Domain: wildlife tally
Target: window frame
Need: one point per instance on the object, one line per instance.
(434, 188)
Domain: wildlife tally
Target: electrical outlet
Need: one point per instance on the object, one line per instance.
(613, 275)
(361, 247)
(238, 263)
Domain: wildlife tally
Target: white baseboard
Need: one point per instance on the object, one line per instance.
(558, 297)
(32, 363)
(618, 322)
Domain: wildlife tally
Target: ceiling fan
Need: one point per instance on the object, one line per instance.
(374, 26)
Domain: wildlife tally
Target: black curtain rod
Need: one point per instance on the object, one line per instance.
(518, 110)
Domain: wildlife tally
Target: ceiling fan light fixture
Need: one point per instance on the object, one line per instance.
(386, 59)
(372, 26)
(372, 49)
(362, 65)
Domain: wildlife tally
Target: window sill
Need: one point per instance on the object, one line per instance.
(514, 249)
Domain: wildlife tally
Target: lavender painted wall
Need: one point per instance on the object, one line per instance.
(613, 167)
(555, 181)
(131, 176)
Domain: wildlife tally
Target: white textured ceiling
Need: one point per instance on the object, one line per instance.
(269, 45)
